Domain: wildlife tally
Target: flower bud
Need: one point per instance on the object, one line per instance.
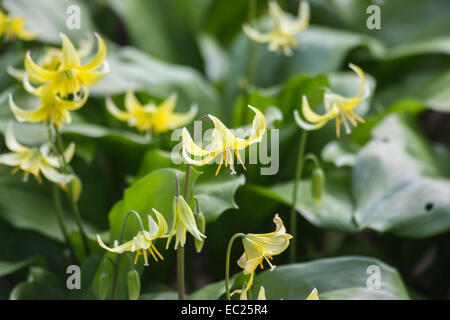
(104, 285)
(134, 285)
(318, 181)
(76, 188)
(201, 224)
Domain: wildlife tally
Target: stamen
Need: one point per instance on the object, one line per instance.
(220, 165)
(357, 117)
(152, 253)
(138, 253)
(145, 258)
(350, 117)
(347, 128)
(338, 129)
(239, 158)
(157, 252)
(272, 267)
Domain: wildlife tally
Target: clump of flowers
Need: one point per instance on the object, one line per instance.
(12, 27)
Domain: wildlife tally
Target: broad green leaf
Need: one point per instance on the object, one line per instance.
(7, 268)
(396, 184)
(164, 29)
(133, 68)
(40, 285)
(335, 210)
(334, 278)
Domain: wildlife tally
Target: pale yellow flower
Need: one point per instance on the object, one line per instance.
(183, 221)
(336, 107)
(314, 295)
(35, 160)
(143, 241)
(14, 27)
(284, 29)
(151, 117)
(260, 247)
(70, 76)
(223, 143)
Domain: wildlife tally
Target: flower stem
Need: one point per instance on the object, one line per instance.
(293, 217)
(227, 263)
(73, 203)
(60, 218)
(122, 233)
(251, 64)
(180, 249)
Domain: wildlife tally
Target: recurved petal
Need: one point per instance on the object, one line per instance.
(157, 229)
(305, 125)
(168, 105)
(258, 129)
(181, 119)
(99, 58)
(255, 35)
(11, 141)
(361, 76)
(302, 21)
(309, 114)
(132, 104)
(116, 112)
(24, 115)
(191, 147)
(37, 73)
(90, 78)
(53, 175)
(118, 249)
(70, 58)
(276, 13)
(11, 159)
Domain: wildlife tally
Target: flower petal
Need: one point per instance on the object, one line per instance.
(116, 112)
(99, 58)
(70, 58)
(255, 35)
(127, 246)
(187, 218)
(307, 126)
(160, 228)
(314, 295)
(11, 141)
(37, 73)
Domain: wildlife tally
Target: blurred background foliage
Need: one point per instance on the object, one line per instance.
(387, 194)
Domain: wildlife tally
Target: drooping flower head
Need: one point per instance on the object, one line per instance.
(260, 247)
(336, 107)
(35, 160)
(70, 76)
(183, 221)
(151, 117)
(14, 27)
(281, 37)
(223, 143)
(143, 241)
(52, 108)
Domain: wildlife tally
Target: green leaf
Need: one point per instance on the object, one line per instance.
(133, 68)
(396, 183)
(335, 210)
(334, 278)
(7, 268)
(40, 285)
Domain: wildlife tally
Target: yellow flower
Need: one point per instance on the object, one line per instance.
(183, 220)
(52, 58)
(258, 247)
(52, 108)
(314, 295)
(35, 161)
(150, 117)
(282, 34)
(70, 77)
(143, 241)
(223, 143)
(336, 107)
(13, 27)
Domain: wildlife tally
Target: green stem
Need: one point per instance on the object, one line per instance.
(73, 203)
(227, 263)
(60, 218)
(293, 217)
(122, 233)
(250, 63)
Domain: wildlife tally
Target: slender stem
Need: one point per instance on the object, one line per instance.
(250, 63)
(293, 217)
(227, 263)
(72, 201)
(180, 272)
(60, 218)
(122, 233)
